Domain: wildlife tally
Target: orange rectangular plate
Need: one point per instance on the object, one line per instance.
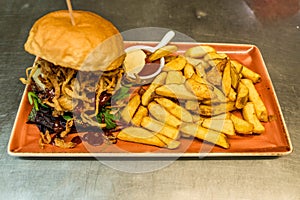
(275, 141)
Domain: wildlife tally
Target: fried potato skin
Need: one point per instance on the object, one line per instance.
(221, 125)
(237, 66)
(129, 110)
(250, 116)
(260, 108)
(242, 96)
(158, 81)
(199, 51)
(226, 79)
(188, 70)
(162, 52)
(192, 105)
(175, 91)
(176, 64)
(241, 126)
(140, 135)
(202, 91)
(162, 115)
(235, 76)
(158, 127)
(208, 110)
(171, 144)
(175, 77)
(175, 109)
(205, 134)
(249, 74)
(139, 115)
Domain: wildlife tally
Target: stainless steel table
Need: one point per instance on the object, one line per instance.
(273, 26)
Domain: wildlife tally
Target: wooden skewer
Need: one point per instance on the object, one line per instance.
(71, 12)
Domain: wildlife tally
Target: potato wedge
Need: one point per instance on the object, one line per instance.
(214, 76)
(193, 61)
(188, 70)
(159, 127)
(176, 64)
(162, 52)
(218, 63)
(192, 105)
(260, 108)
(169, 58)
(237, 66)
(226, 79)
(202, 133)
(200, 70)
(140, 135)
(235, 77)
(241, 126)
(197, 118)
(162, 115)
(171, 144)
(215, 56)
(158, 81)
(249, 74)
(223, 116)
(129, 110)
(197, 62)
(250, 116)
(175, 77)
(218, 97)
(224, 126)
(232, 95)
(175, 109)
(242, 96)
(202, 91)
(175, 91)
(208, 110)
(139, 115)
(198, 78)
(199, 51)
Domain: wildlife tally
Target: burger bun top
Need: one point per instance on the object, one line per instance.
(92, 44)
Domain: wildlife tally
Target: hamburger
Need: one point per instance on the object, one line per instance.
(76, 71)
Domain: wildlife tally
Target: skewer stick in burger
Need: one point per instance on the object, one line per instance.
(77, 69)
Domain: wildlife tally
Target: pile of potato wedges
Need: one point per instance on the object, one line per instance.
(202, 94)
